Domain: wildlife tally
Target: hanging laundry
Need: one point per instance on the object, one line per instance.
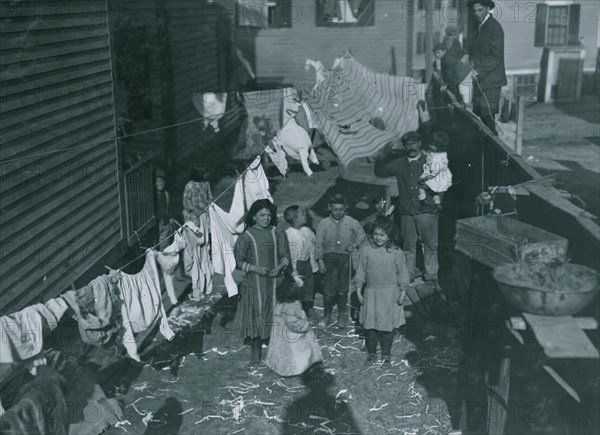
(264, 109)
(93, 308)
(22, 333)
(211, 106)
(291, 104)
(277, 156)
(296, 143)
(350, 93)
(249, 187)
(168, 263)
(196, 257)
(168, 260)
(224, 230)
(142, 304)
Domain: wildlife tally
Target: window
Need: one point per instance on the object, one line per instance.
(265, 14)
(557, 25)
(422, 41)
(525, 85)
(345, 13)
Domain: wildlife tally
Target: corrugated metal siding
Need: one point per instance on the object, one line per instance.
(282, 52)
(60, 212)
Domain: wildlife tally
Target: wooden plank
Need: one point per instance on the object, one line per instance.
(84, 125)
(75, 20)
(73, 60)
(43, 160)
(520, 123)
(40, 38)
(585, 323)
(498, 400)
(21, 109)
(564, 384)
(14, 58)
(59, 120)
(52, 79)
(561, 337)
(101, 224)
(69, 216)
(63, 277)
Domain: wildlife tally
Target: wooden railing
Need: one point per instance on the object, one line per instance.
(139, 201)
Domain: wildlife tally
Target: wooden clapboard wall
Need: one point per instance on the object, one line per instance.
(60, 212)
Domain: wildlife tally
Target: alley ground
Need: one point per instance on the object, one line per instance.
(197, 384)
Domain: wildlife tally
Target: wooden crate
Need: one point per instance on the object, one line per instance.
(493, 240)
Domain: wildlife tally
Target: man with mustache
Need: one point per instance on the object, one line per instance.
(404, 160)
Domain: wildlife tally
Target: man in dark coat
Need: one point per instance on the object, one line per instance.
(418, 219)
(487, 57)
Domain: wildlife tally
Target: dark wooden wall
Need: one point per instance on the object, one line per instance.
(59, 190)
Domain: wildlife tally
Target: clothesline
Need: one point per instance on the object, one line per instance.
(201, 213)
(153, 130)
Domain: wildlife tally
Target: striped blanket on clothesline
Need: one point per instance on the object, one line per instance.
(358, 111)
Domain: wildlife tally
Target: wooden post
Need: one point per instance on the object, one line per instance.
(429, 11)
(520, 121)
(409, 16)
(393, 55)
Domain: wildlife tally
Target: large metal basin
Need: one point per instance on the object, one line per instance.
(546, 289)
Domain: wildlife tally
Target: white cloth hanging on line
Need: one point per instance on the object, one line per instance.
(211, 106)
(224, 230)
(142, 304)
(196, 256)
(277, 156)
(251, 186)
(22, 333)
(296, 143)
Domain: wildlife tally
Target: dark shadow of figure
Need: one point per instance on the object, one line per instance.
(319, 402)
(167, 419)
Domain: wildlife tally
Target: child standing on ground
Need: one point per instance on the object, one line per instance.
(337, 237)
(262, 252)
(301, 240)
(382, 267)
(436, 174)
(293, 348)
(163, 209)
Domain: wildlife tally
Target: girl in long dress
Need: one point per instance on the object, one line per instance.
(262, 252)
(382, 267)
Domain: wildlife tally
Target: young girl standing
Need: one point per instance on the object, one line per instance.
(262, 252)
(382, 266)
(293, 347)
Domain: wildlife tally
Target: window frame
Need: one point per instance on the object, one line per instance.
(369, 21)
(543, 25)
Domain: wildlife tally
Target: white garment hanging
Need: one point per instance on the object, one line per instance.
(211, 106)
(142, 304)
(251, 186)
(296, 143)
(224, 230)
(196, 256)
(278, 158)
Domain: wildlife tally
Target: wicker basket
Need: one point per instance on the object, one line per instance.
(494, 240)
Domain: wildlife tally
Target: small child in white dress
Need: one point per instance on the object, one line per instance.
(436, 176)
